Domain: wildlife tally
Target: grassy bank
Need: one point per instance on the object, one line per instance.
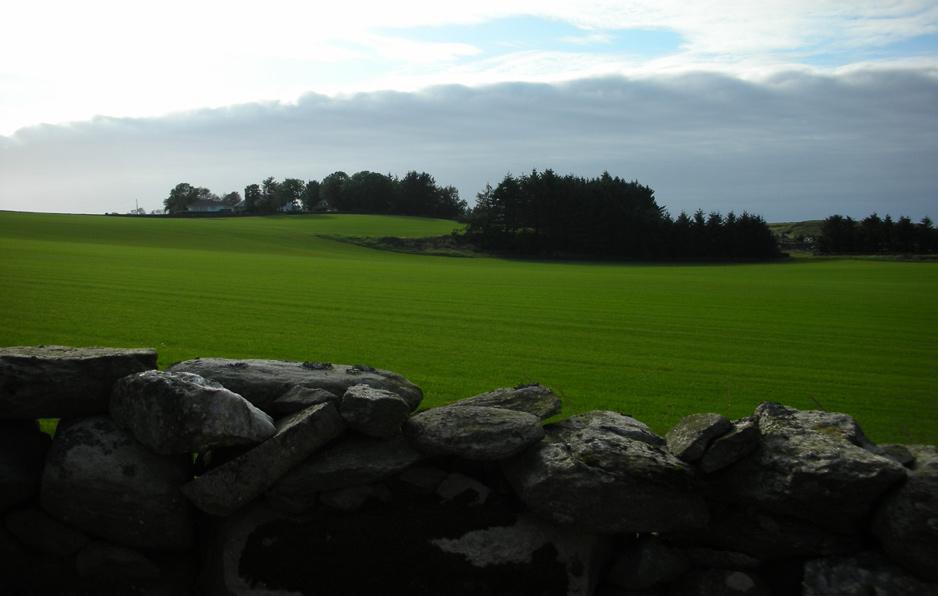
(655, 341)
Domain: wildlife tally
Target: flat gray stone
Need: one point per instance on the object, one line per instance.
(813, 465)
(533, 399)
(230, 486)
(906, 521)
(99, 479)
(580, 555)
(725, 451)
(614, 423)
(351, 461)
(607, 473)
(39, 531)
(63, 382)
(374, 412)
(862, 575)
(261, 382)
(690, 437)
(185, 413)
(297, 399)
(473, 432)
(22, 453)
(109, 563)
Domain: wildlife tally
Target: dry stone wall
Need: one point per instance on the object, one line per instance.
(262, 477)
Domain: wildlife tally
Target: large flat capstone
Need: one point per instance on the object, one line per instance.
(185, 413)
(100, 480)
(812, 465)
(473, 432)
(607, 473)
(63, 382)
(533, 399)
(261, 382)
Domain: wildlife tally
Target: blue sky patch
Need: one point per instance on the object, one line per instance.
(922, 45)
(526, 33)
(919, 46)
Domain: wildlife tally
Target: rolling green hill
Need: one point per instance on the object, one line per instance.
(793, 229)
(797, 237)
(655, 341)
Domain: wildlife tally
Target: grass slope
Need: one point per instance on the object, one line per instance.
(655, 341)
(793, 229)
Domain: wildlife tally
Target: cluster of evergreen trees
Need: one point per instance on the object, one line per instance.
(417, 193)
(875, 235)
(543, 213)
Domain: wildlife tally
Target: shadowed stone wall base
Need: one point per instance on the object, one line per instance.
(259, 477)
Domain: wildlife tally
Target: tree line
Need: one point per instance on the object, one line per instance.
(184, 194)
(876, 235)
(416, 193)
(546, 214)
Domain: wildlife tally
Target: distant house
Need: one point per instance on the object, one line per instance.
(291, 207)
(207, 206)
(323, 206)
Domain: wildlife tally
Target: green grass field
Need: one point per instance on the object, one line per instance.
(655, 341)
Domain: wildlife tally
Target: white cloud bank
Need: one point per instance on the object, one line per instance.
(62, 60)
(795, 145)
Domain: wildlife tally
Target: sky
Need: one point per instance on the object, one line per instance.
(791, 109)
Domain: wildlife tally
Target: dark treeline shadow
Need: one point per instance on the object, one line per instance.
(547, 215)
(876, 235)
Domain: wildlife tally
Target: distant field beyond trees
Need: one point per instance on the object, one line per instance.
(655, 341)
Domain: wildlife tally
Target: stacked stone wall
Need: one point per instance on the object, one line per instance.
(263, 477)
